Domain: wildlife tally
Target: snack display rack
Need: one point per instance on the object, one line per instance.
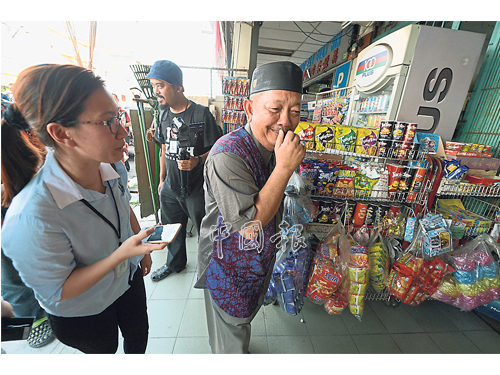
(235, 91)
(412, 203)
(333, 106)
(452, 187)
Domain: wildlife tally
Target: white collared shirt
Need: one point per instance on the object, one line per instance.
(48, 232)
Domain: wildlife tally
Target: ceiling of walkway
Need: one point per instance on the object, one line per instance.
(293, 41)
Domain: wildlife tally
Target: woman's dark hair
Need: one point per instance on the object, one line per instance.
(43, 94)
(54, 93)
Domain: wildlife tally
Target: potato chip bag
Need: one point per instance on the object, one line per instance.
(345, 138)
(366, 141)
(305, 131)
(324, 136)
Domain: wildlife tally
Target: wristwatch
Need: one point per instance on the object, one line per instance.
(200, 159)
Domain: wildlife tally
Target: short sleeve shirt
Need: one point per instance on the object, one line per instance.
(229, 188)
(48, 232)
(205, 134)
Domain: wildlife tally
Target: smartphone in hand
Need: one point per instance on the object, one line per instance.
(163, 233)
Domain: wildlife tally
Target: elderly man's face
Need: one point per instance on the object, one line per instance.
(270, 111)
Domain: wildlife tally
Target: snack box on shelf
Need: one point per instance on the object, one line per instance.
(490, 180)
(469, 154)
(467, 147)
(486, 164)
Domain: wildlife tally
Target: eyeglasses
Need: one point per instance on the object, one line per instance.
(113, 123)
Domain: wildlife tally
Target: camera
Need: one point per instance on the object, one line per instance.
(186, 140)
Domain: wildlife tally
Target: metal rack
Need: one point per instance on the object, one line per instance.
(462, 188)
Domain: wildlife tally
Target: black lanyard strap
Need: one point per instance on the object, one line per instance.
(117, 231)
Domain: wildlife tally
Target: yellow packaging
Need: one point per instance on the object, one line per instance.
(366, 141)
(356, 309)
(324, 136)
(357, 288)
(357, 274)
(356, 299)
(345, 137)
(305, 131)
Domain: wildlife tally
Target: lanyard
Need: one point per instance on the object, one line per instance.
(118, 231)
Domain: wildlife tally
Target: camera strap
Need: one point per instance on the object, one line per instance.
(117, 231)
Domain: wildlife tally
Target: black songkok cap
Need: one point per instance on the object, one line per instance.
(280, 75)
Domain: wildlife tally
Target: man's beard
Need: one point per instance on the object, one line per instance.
(163, 107)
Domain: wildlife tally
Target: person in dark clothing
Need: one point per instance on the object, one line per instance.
(179, 202)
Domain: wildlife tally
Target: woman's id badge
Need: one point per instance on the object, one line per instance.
(121, 268)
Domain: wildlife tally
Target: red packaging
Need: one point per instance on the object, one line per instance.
(403, 150)
(482, 180)
(407, 178)
(398, 284)
(417, 184)
(360, 213)
(394, 210)
(410, 132)
(395, 172)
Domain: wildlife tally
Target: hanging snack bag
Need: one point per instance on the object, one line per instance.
(324, 137)
(345, 182)
(336, 304)
(345, 138)
(305, 131)
(327, 178)
(365, 180)
(379, 263)
(366, 141)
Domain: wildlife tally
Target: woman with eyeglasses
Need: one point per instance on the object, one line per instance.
(68, 230)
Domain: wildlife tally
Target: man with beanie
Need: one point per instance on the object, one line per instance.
(181, 176)
(246, 175)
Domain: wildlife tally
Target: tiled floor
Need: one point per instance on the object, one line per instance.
(178, 326)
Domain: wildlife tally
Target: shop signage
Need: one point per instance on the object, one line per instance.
(373, 66)
(341, 75)
(429, 94)
(327, 57)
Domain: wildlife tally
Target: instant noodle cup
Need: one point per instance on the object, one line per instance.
(345, 138)
(366, 141)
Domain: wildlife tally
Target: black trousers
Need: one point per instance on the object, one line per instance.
(98, 334)
(175, 209)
